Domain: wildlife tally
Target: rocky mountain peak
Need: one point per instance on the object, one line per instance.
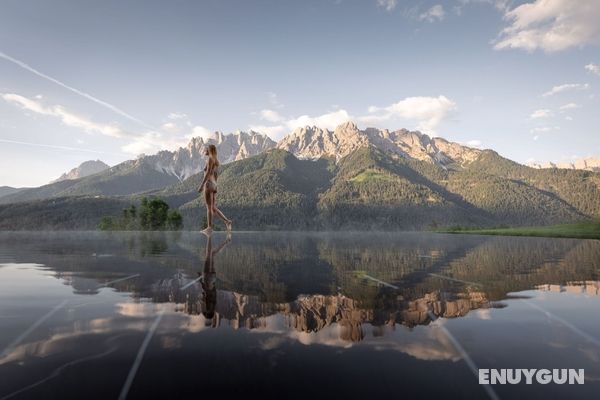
(314, 142)
(587, 164)
(185, 162)
(84, 169)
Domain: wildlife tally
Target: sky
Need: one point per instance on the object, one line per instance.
(110, 80)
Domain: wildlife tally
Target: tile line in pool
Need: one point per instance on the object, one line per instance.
(464, 355)
(380, 281)
(187, 285)
(140, 356)
(454, 279)
(32, 328)
(569, 325)
(119, 280)
(60, 369)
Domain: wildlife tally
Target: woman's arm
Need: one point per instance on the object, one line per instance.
(209, 169)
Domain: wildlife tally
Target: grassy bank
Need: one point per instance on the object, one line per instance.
(582, 230)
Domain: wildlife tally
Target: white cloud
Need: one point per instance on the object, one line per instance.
(428, 112)
(171, 137)
(536, 137)
(270, 115)
(284, 125)
(500, 5)
(569, 118)
(170, 127)
(66, 117)
(143, 145)
(152, 141)
(593, 68)
(200, 131)
(177, 115)
(569, 106)
(542, 113)
(434, 13)
(388, 5)
(566, 87)
(328, 120)
(551, 25)
(275, 132)
(474, 143)
(274, 100)
(544, 129)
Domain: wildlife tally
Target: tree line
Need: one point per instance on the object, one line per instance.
(153, 215)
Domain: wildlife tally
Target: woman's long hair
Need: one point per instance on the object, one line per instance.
(212, 152)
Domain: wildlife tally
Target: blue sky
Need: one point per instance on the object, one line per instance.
(108, 80)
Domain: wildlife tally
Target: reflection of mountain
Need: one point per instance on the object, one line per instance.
(309, 282)
(312, 313)
(591, 288)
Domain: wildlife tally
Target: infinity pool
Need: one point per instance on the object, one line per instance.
(293, 315)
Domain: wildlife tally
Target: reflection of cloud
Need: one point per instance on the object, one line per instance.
(66, 340)
(423, 343)
(483, 313)
(194, 323)
(328, 336)
(170, 342)
(142, 309)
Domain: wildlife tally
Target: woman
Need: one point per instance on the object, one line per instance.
(209, 185)
(208, 280)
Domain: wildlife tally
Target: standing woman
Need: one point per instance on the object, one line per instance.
(209, 185)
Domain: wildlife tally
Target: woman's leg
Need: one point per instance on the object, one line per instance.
(218, 212)
(209, 213)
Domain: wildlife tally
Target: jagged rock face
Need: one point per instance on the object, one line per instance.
(189, 160)
(588, 164)
(312, 313)
(314, 142)
(86, 168)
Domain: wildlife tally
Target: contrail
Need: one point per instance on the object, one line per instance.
(52, 146)
(74, 90)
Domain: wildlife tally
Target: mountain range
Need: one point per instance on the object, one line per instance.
(315, 178)
(588, 164)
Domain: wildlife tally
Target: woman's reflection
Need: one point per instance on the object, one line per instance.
(208, 279)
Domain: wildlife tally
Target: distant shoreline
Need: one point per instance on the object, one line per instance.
(582, 230)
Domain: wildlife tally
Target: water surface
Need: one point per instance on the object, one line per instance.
(293, 315)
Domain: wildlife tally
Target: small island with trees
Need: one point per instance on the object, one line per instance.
(153, 215)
